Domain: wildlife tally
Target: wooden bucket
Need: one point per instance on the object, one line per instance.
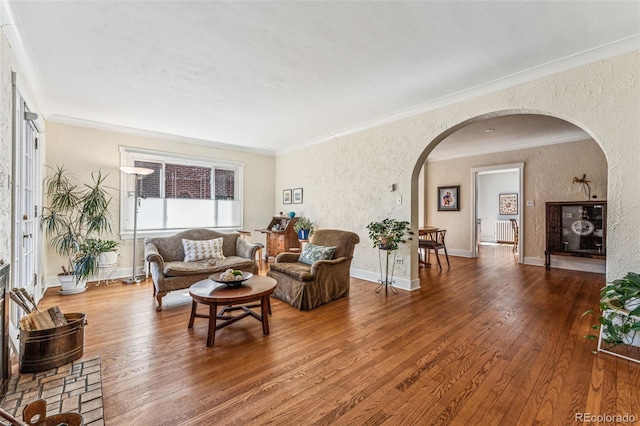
(42, 350)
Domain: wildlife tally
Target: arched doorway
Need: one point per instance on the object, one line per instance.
(554, 153)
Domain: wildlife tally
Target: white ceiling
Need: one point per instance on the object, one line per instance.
(274, 76)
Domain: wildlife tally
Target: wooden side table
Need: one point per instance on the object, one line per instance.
(208, 292)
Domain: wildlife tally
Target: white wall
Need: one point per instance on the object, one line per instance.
(490, 186)
(345, 179)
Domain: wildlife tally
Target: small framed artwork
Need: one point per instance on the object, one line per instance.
(508, 204)
(448, 198)
(297, 196)
(286, 196)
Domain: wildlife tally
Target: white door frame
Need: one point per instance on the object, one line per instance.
(519, 167)
(26, 191)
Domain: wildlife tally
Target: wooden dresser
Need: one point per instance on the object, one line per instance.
(281, 236)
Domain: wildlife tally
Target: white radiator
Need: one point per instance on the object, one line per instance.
(504, 231)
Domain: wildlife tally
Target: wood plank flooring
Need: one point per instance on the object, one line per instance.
(486, 342)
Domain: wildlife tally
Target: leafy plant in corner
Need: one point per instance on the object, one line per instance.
(76, 212)
(620, 311)
(388, 234)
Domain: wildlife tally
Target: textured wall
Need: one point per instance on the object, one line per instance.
(6, 62)
(346, 179)
(84, 150)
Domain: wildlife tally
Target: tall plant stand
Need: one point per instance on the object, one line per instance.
(386, 281)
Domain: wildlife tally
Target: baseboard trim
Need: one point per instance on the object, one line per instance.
(118, 274)
(598, 266)
(374, 277)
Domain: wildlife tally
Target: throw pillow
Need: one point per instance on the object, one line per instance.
(313, 252)
(202, 249)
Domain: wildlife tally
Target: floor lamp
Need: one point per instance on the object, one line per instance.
(139, 173)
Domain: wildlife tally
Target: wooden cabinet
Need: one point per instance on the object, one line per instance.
(281, 236)
(576, 228)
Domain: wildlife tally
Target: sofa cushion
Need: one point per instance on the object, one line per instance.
(313, 253)
(297, 270)
(206, 266)
(202, 249)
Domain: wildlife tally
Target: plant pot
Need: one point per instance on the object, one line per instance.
(632, 304)
(618, 318)
(68, 285)
(108, 258)
(303, 234)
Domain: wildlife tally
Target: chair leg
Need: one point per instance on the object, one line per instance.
(438, 257)
(447, 256)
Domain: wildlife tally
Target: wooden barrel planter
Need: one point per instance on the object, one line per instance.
(42, 350)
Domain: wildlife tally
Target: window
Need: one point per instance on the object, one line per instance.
(182, 192)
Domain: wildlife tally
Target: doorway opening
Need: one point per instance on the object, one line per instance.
(497, 209)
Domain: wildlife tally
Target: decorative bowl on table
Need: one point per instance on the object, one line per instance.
(231, 278)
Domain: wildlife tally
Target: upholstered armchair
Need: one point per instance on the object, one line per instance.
(308, 285)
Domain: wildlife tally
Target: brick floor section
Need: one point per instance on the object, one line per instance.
(74, 387)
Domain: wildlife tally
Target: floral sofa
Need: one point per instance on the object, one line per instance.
(173, 269)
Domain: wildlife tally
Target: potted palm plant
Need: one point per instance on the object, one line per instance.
(619, 319)
(75, 213)
(304, 228)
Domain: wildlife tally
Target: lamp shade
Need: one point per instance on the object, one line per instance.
(139, 171)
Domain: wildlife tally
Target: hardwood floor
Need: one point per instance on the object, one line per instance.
(486, 342)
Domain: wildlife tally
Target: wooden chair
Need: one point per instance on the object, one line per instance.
(435, 242)
(35, 414)
(514, 225)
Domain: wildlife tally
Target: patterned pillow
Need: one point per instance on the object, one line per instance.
(202, 249)
(313, 252)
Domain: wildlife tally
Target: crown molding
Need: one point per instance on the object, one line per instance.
(595, 54)
(154, 135)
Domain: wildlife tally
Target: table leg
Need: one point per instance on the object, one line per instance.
(265, 314)
(213, 313)
(193, 313)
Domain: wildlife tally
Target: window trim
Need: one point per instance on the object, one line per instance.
(130, 154)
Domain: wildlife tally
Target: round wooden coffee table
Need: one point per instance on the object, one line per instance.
(208, 292)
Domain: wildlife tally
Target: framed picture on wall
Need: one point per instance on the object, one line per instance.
(448, 198)
(297, 196)
(508, 204)
(286, 196)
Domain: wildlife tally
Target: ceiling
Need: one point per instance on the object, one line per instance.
(275, 76)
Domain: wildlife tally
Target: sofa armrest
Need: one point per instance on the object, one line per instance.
(320, 265)
(246, 249)
(152, 255)
(287, 257)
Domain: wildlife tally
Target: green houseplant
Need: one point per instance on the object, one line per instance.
(304, 228)
(75, 213)
(96, 250)
(387, 235)
(619, 319)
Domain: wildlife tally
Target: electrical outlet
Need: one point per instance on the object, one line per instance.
(400, 261)
(531, 203)
(399, 200)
